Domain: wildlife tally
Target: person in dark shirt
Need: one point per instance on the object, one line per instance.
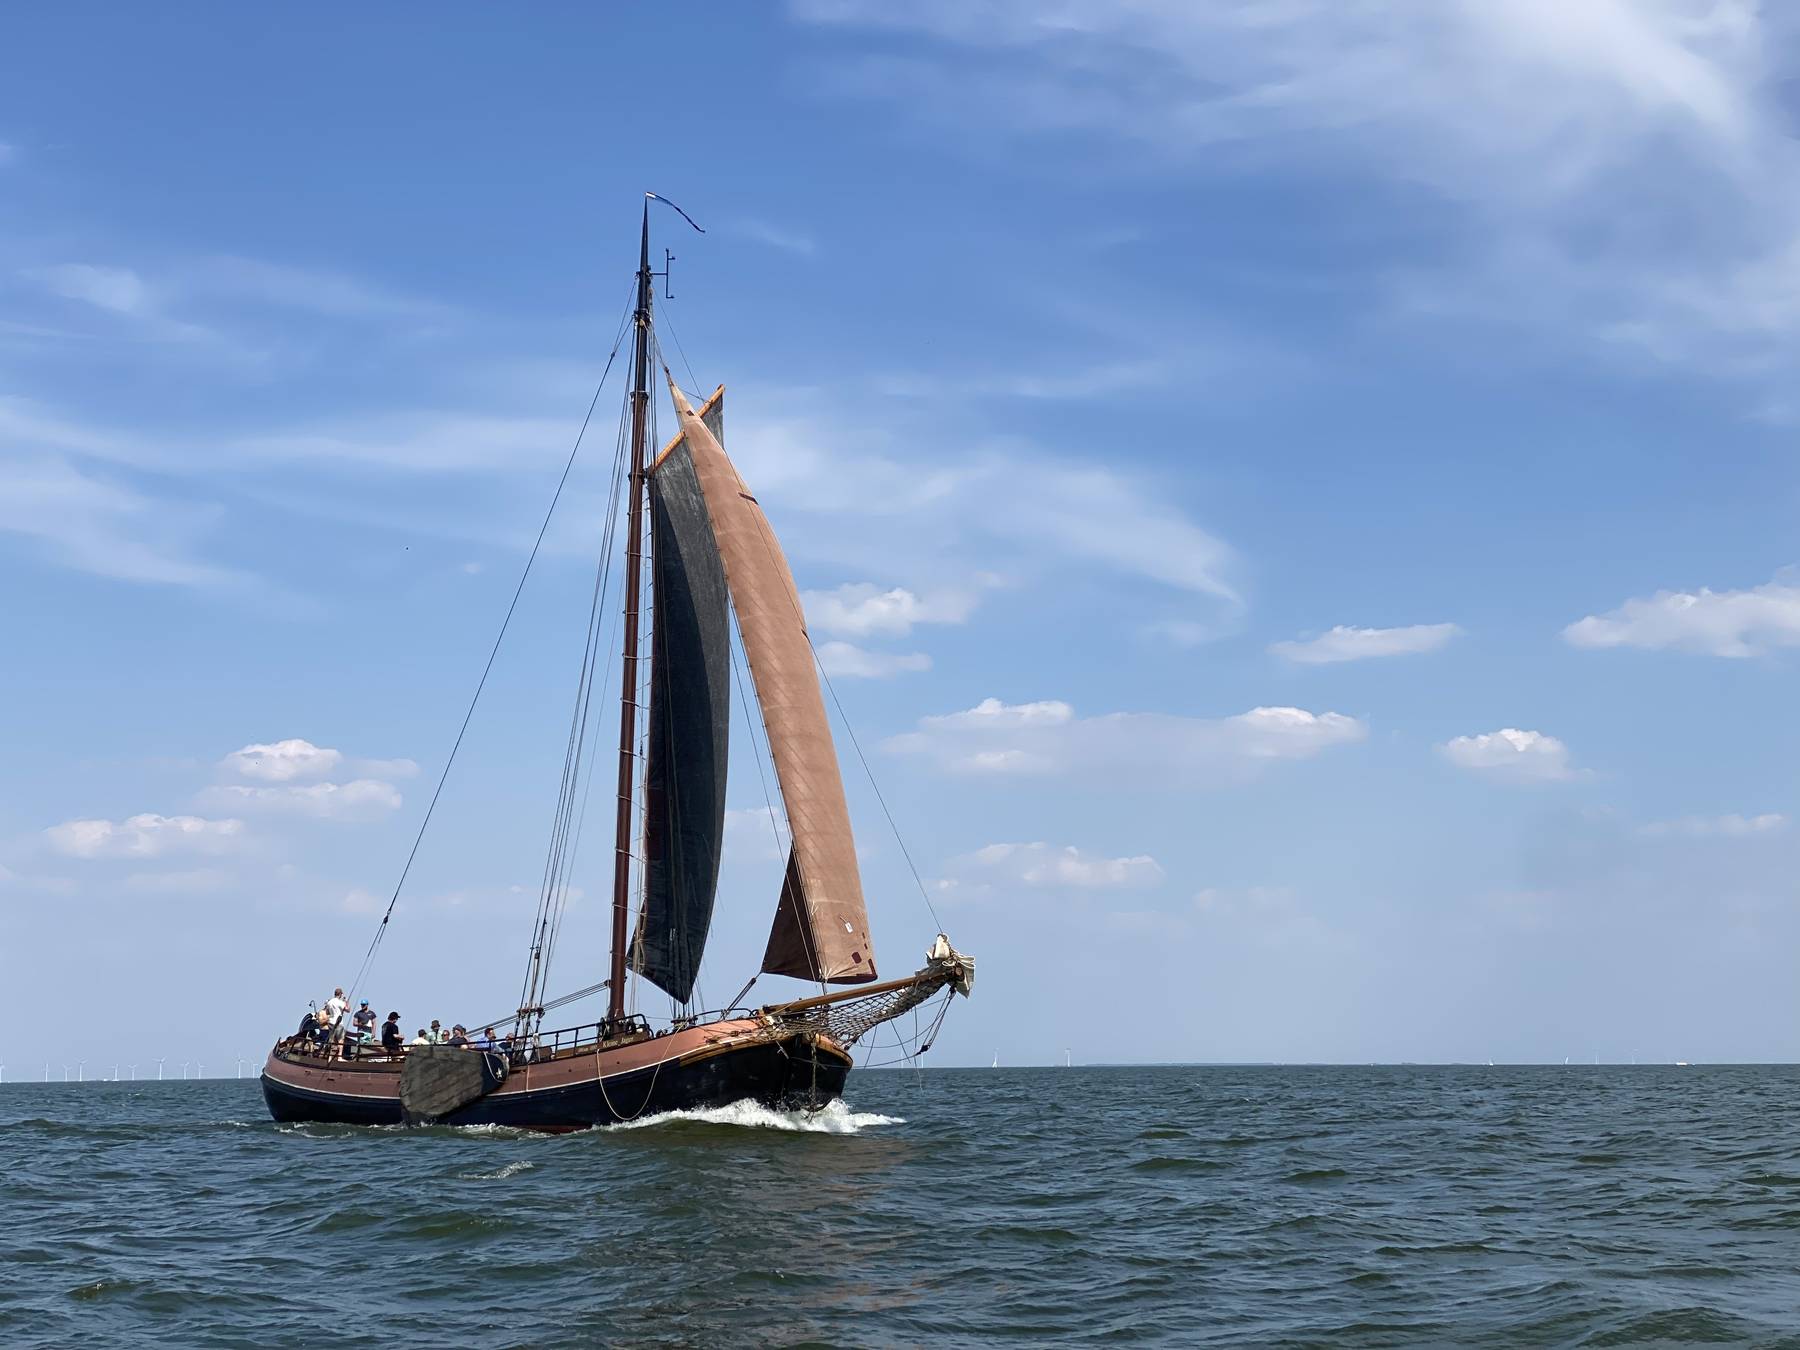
(391, 1037)
(459, 1037)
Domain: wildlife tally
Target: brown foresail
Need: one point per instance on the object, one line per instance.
(821, 929)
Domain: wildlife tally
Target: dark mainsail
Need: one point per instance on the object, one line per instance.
(690, 715)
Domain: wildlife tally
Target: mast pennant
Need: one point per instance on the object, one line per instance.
(821, 929)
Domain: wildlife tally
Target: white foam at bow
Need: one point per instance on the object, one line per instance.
(834, 1118)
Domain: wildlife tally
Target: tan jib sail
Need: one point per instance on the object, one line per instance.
(821, 927)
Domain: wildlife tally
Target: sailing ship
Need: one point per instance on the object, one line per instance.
(697, 537)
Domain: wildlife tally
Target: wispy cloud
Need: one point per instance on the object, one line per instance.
(360, 799)
(996, 869)
(118, 289)
(144, 836)
(1721, 827)
(1712, 623)
(102, 525)
(1047, 737)
(1360, 644)
(847, 660)
(776, 236)
(1538, 126)
(317, 290)
(845, 497)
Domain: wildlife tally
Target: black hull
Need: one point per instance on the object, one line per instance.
(787, 1075)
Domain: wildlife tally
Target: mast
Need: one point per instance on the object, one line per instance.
(628, 684)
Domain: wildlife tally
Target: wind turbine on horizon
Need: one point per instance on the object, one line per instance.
(133, 1069)
(159, 1065)
(81, 1071)
(199, 1072)
(240, 1066)
(184, 1064)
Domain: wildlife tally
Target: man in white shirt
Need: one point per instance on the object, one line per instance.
(336, 1008)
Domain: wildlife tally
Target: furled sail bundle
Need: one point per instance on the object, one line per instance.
(689, 732)
(821, 929)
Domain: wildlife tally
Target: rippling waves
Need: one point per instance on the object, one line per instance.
(1215, 1206)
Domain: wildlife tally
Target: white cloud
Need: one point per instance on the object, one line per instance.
(1039, 865)
(1714, 623)
(361, 799)
(1728, 826)
(1523, 756)
(116, 289)
(1356, 644)
(845, 660)
(862, 609)
(144, 836)
(1048, 738)
(282, 761)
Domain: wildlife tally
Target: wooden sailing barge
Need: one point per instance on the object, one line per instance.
(712, 553)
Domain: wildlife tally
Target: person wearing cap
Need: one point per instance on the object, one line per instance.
(459, 1037)
(393, 1040)
(436, 1036)
(420, 1039)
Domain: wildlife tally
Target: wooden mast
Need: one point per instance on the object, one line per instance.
(628, 684)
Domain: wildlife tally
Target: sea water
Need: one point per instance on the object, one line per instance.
(1188, 1206)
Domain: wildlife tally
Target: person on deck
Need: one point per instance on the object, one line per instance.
(334, 1042)
(459, 1037)
(487, 1041)
(420, 1039)
(335, 1007)
(393, 1040)
(437, 1033)
(364, 1018)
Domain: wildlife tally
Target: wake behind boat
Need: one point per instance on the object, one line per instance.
(711, 554)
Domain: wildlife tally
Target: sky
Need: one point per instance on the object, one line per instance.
(1298, 502)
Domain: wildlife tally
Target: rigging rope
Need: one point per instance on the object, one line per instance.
(382, 927)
